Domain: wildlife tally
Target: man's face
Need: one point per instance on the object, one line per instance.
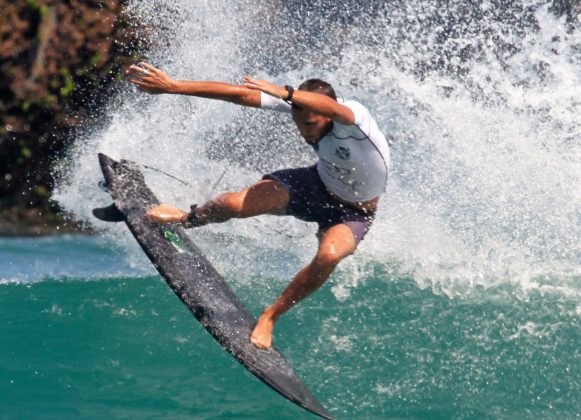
(311, 126)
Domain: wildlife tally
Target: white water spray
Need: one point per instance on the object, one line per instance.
(480, 103)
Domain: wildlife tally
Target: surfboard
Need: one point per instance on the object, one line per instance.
(197, 283)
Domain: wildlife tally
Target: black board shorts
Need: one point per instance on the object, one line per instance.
(310, 201)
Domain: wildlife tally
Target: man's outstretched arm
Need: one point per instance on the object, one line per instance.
(312, 101)
(154, 81)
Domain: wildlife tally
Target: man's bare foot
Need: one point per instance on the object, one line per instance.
(166, 214)
(261, 336)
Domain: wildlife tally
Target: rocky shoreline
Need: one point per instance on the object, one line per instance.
(33, 222)
(61, 64)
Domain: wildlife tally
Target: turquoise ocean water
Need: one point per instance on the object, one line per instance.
(463, 301)
(85, 337)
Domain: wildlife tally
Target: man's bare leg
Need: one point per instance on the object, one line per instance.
(336, 243)
(265, 197)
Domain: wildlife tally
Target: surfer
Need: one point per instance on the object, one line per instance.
(340, 193)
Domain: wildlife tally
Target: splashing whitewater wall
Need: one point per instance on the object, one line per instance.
(480, 102)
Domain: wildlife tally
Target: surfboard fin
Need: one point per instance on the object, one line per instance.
(109, 213)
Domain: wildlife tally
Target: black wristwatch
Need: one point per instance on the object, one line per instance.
(290, 91)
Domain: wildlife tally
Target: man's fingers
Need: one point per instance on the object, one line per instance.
(148, 67)
(140, 80)
(134, 69)
(142, 85)
(137, 82)
(264, 86)
(253, 84)
(137, 74)
(250, 81)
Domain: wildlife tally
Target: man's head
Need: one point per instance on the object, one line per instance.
(313, 126)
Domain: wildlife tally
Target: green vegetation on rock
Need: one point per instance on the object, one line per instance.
(60, 62)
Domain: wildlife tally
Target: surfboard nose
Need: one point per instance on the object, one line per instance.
(105, 161)
(109, 168)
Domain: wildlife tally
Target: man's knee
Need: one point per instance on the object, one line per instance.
(330, 257)
(231, 201)
(336, 243)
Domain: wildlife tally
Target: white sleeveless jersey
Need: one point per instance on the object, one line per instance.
(353, 159)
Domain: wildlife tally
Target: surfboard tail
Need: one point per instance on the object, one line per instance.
(297, 392)
(107, 164)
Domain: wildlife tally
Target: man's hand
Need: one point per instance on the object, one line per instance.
(266, 87)
(150, 79)
(166, 214)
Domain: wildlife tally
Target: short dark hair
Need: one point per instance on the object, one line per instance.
(318, 86)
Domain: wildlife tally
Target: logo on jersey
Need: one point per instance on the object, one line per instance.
(342, 152)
